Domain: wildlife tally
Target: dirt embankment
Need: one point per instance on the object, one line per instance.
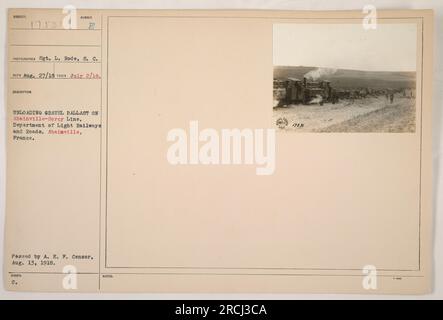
(397, 117)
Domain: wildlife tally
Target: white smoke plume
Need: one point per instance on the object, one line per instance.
(318, 73)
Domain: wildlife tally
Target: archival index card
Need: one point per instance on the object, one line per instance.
(219, 151)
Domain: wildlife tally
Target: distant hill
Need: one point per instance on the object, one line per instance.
(348, 79)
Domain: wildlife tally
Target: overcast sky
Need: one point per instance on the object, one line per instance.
(391, 47)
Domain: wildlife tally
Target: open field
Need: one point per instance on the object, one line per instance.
(373, 114)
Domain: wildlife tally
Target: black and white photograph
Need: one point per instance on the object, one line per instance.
(345, 78)
(221, 159)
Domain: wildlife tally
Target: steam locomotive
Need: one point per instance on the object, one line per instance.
(294, 91)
